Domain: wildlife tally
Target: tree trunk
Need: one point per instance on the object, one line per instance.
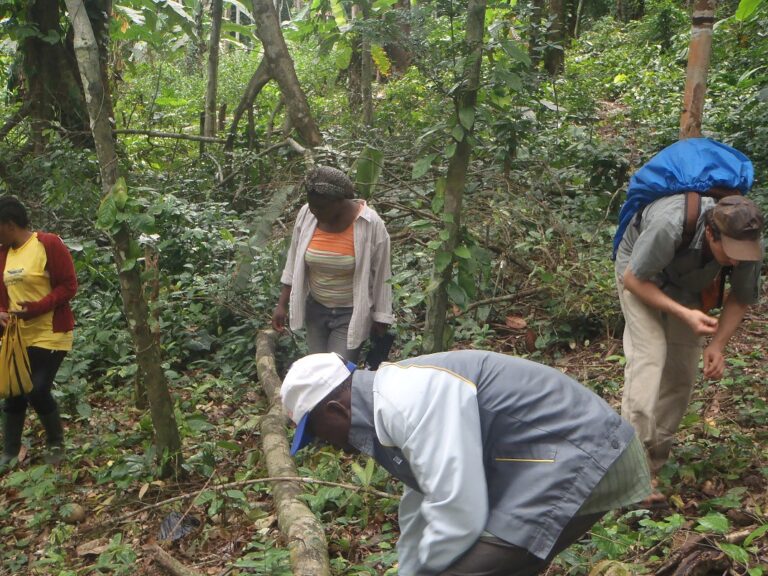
(305, 535)
(366, 69)
(628, 10)
(699, 52)
(355, 75)
(217, 10)
(259, 79)
(281, 68)
(554, 55)
(97, 99)
(196, 47)
(53, 90)
(464, 100)
(399, 51)
(535, 32)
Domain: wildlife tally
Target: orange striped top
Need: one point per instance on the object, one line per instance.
(330, 258)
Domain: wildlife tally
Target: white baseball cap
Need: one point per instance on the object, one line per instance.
(307, 383)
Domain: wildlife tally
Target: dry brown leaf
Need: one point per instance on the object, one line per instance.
(143, 490)
(92, 548)
(515, 323)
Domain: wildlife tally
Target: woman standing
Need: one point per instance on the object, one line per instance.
(38, 281)
(336, 272)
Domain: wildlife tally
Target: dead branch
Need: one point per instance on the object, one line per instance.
(259, 79)
(157, 134)
(14, 121)
(169, 563)
(305, 534)
(513, 296)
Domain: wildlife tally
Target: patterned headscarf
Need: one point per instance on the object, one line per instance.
(329, 183)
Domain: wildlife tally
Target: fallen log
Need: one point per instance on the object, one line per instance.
(306, 538)
(169, 563)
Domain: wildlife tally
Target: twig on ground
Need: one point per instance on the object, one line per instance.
(169, 563)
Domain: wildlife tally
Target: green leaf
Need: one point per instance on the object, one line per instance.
(737, 553)
(467, 281)
(509, 79)
(423, 223)
(515, 52)
(450, 150)
(714, 522)
(128, 265)
(421, 166)
(755, 534)
(467, 117)
(343, 56)
(107, 213)
(368, 166)
(456, 294)
(380, 58)
(229, 445)
(442, 261)
(120, 192)
(747, 8)
(457, 133)
(240, 6)
(338, 13)
(438, 201)
(462, 252)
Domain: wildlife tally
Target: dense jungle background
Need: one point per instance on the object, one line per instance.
(214, 110)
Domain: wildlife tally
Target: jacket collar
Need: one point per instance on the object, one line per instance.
(362, 432)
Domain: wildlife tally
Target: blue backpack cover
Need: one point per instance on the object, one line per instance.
(694, 164)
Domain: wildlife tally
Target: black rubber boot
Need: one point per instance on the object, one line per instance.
(54, 438)
(12, 429)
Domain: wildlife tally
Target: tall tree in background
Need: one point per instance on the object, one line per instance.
(98, 102)
(699, 52)
(217, 10)
(53, 95)
(535, 40)
(554, 55)
(281, 68)
(465, 98)
(627, 10)
(366, 66)
(399, 51)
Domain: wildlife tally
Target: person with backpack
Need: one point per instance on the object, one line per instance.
(335, 280)
(505, 462)
(37, 283)
(671, 251)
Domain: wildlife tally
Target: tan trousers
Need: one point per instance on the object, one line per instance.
(662, 357)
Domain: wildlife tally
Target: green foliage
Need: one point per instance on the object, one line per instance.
(551, 158)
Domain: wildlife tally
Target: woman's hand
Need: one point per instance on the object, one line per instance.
(278, 318)
(4, 319)
(23, 313)
(378, 329)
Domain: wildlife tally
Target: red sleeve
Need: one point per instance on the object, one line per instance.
(61, 269)
(3, 289)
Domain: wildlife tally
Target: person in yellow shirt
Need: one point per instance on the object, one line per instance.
(38, 280)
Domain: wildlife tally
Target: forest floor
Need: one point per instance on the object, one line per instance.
(719, 473)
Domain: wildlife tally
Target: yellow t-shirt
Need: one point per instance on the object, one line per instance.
(27, 280)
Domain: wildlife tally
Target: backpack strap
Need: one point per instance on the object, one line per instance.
(692, 211)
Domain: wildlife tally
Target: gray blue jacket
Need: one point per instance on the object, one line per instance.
(483, 442)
